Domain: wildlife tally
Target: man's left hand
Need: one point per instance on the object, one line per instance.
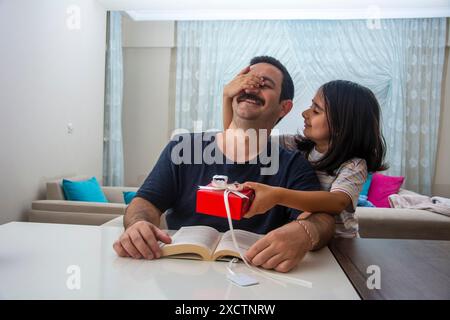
(281, 249)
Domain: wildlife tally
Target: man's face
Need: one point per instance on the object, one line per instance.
(262, 103)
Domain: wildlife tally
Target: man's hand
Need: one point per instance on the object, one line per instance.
(140, 240)
(243, 81)
(281, 249)
(265, 198)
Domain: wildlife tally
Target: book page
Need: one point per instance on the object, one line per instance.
(185, 239)
(245, 240)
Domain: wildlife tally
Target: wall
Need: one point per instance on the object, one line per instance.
(50, 76)
(441, 185)
(147, 104)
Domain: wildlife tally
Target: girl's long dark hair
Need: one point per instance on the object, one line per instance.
(353, 115)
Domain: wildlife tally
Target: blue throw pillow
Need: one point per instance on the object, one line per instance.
(87, 190)
(363, 202)
(128, 196)
(366, 186)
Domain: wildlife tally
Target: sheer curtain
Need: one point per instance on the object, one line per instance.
(400, 60)
(113, 144)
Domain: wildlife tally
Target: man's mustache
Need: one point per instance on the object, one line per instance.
(244, 96)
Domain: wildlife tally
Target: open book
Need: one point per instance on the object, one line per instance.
(206, 243)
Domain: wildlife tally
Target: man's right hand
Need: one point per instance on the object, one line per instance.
(140, 240)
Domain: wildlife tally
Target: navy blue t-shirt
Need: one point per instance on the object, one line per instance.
(172, 186)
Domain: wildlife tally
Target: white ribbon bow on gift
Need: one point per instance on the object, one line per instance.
(221, 183)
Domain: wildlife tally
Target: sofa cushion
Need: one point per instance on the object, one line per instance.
(54, 187)
(83, 218)
(366, 186)
(382, 187)
(402, 224)
(115, 194)
(79, 206)
(87, 190)
(128, 196)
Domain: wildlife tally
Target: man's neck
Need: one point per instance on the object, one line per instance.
(242, 144)
(247, 124)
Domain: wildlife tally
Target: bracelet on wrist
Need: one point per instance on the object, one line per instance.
(302, 223)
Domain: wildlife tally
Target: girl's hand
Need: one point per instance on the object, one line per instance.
(242, 82)
(265, 198)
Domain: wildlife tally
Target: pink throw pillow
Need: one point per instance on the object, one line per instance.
(381, 188)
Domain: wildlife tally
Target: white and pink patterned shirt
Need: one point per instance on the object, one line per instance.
(349, 178)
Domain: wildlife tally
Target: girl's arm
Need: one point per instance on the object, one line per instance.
(313, 201)
(244, 80)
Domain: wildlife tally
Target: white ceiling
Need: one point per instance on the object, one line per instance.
(278, 9)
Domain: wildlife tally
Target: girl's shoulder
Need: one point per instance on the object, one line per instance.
(288, 141)
(353, 164)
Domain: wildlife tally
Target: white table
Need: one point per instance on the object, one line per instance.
(35, 260)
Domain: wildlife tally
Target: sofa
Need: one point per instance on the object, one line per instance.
(396, 223)
(390, 223)
(55, 209)
(373, 222)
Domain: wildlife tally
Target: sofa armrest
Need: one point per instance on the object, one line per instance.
(402, 224)
(79, 206)
(115, 194)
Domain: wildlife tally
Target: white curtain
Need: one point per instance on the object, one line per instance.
(401, 60)
(113, 144)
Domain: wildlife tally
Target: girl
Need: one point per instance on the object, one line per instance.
(342, 140)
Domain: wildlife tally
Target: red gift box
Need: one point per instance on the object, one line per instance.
(211, 202)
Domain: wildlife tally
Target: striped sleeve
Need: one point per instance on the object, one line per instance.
(350, 179)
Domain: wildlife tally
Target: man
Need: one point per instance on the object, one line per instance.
(172, 185)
